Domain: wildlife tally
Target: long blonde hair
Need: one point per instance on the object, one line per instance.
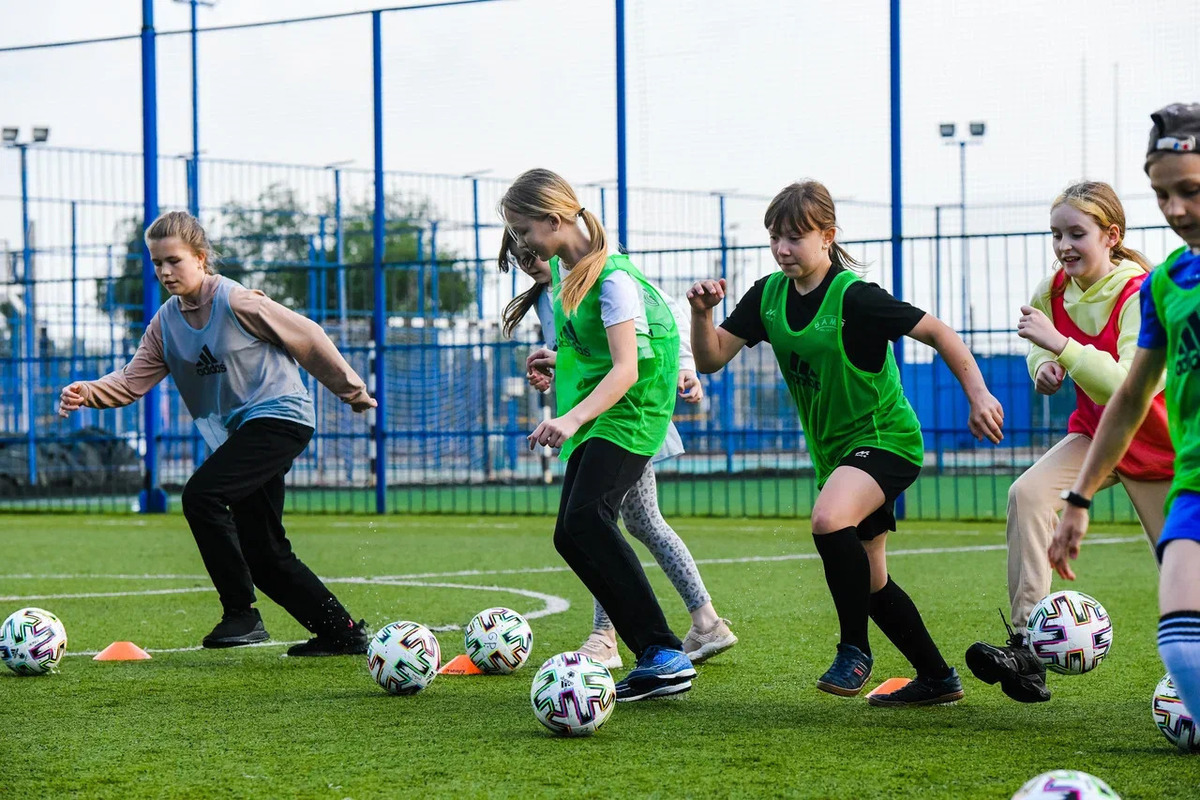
(187, 229)
(539, 193)
(1100, 202)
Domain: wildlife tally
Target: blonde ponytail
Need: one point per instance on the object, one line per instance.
(583, 275)
(540, 193)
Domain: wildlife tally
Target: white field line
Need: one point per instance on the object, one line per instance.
(552, 604)
(385, 579)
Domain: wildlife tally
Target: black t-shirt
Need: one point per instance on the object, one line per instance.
(870, 318)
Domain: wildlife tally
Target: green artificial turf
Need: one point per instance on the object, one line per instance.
(248, 723)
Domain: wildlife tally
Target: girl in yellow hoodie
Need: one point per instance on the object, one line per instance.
(1083, 321)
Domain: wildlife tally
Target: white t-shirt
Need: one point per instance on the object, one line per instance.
(621, 300)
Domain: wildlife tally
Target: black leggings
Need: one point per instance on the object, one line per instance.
(234, 506)
(599, 473)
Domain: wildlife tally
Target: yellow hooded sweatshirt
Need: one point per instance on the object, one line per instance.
(1094, 371)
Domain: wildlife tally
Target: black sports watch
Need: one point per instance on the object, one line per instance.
(1076, 499)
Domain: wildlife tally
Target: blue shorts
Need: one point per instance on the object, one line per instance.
(1183, 521)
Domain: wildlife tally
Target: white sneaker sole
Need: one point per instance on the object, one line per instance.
(710, 649)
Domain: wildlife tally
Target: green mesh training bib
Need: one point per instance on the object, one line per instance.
(841, 407)
(637, 421)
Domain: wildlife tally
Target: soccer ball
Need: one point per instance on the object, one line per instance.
(1173, 719)
(1065, 784)
(403, 657)
(32, 642)
(572, 694)
(1070, 632)
(498, 640)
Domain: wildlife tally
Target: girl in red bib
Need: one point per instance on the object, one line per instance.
(1083, 321)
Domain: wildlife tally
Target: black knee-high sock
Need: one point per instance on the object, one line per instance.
(848, 573)
(897, 616)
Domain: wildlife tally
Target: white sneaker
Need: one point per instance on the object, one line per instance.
(601, 648)
(703, 645)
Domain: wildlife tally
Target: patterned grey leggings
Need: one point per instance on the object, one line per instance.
(645, 522)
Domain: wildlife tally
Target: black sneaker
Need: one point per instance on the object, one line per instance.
(236, 629)
(1020, 673)
(353, 642)
(922, 692)
(848, 673)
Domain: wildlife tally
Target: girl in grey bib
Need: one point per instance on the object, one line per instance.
(235, 357)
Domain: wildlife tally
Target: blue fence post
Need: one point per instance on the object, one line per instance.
(340, 250)
(323, 260)
(29, 375)
(727, 417)
(897, 188)
(76, 419)
(622, 172)
(937, 305)
(153, 499)
(434, 270)
(379, 317)
(419, 311)
(478, 250)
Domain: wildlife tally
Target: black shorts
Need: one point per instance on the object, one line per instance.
(893, 474)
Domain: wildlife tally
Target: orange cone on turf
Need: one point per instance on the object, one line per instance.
(122, 651)
(460, 665)
(889, 686)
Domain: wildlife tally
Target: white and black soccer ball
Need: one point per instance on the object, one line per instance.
(1070, 632)
(1065, 784)
(32, 642)
(403, 657)
(1173, 719)
(572, 694)
(498, 640)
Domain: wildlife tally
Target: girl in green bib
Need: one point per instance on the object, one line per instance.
(832, 334)
(1170, 340)
(614, 374)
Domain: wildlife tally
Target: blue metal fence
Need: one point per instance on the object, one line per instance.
(458, 407)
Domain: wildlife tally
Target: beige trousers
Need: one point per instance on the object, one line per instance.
(1033, 506)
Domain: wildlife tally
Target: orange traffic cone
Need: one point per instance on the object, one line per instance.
(889, 686)
(122, 651)
(460, 665)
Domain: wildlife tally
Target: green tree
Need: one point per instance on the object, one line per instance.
(273, 245)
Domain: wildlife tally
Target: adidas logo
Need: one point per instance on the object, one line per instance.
(1188, 357)
(863, 454)
(571, 339)
(802, 373)
(208, 364)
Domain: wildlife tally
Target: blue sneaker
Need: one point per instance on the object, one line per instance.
(659, 672)
(848, 673)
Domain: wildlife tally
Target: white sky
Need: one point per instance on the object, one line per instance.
(746, 95)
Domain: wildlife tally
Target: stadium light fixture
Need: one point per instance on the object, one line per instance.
(41, 135)
(10, 135)
(978, 128)
(946, 129)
